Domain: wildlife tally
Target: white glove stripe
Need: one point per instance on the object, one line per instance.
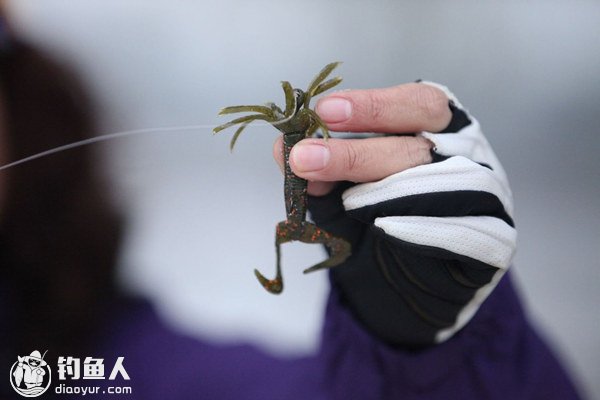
(455, 174)
(465, 315)
(469, 141)
(486, 239)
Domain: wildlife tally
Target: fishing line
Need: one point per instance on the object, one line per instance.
(110, 136)
(101, 138)
(115, 135)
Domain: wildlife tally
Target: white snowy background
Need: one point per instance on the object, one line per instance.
(201, 218)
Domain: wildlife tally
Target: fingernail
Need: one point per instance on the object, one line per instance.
(309, 157)
(334, 109)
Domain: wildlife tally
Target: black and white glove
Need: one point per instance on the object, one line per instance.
(429, 243)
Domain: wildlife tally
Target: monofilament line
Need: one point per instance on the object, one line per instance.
(102, 138)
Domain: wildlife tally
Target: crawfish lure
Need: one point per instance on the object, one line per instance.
(296, 122)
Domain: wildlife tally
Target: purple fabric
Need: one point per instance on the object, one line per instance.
(496, 356)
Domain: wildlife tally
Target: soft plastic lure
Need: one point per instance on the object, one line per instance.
(297, 122)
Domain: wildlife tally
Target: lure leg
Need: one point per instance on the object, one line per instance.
(283, 234)
(339, 249)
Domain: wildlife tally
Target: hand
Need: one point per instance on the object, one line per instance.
(432, 232)
(401, 109)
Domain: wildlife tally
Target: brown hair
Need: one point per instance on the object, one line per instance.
(58, 234)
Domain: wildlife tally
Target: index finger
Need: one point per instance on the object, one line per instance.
(406, 108)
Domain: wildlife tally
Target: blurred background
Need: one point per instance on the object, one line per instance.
(200, 218)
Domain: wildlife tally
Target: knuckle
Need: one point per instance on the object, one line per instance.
(377, 106)
(352, 158)
(415, 151)
(432, 102)
(403, 148)
(424, 147)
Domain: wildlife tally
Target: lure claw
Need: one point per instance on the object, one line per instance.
(274, 286)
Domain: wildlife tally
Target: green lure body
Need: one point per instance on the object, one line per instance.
(296, 122)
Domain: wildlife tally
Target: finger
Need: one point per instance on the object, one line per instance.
(411, 107)
(278, 152)
(358, 160)
(315, 188)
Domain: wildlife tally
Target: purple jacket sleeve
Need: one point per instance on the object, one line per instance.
(496, 356)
